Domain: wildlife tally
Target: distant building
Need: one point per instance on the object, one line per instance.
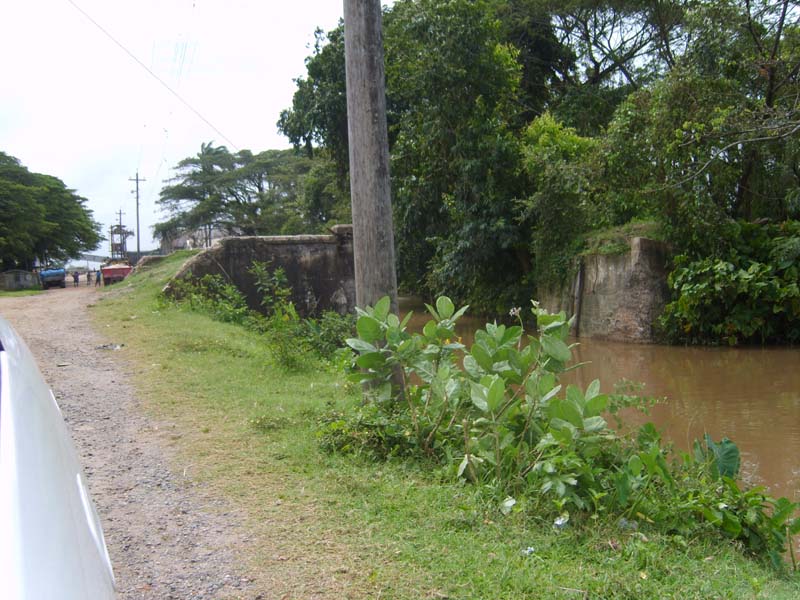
(199, 238)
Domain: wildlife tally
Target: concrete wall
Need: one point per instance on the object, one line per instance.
(319, 267)
(617, 297)
(17, 279)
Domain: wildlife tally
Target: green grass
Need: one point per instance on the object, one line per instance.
(12, 293)
(392, 530)
(617, 240)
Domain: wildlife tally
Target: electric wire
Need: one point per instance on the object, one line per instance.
(153, 75)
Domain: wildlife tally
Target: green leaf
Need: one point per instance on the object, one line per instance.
(730, 524)
(566, 410)
(593, 390)
(635, 465)
(360, 377)
(471, 367)
(478, 393)
(496, 393)
(794, 526)
(369, 329)
(360, 345)
(546, 321)
(381, 309)
(463, 466)
(550, 394)
(575, 396)
(432, 311)
(726, 459)
(554, 347)
(594, 424)
(445, 307)
(429, 331)
(547, 382)
(782, 511)
(596, 405)
(459, 313)
(482, 357)
(445, 333)
(406, 319)
(511, 335)
(371, 360)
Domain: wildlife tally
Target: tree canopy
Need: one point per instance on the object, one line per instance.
(41, 220)
(517, 126)
(269, 193)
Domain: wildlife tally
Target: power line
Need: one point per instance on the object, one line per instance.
(153, 75)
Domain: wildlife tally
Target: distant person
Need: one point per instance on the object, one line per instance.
(75, 276)
(97, 278)
(88, 278)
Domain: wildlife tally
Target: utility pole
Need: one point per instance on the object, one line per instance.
(138, 248)
(373, 235)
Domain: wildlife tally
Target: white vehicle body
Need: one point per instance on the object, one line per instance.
(51, 542)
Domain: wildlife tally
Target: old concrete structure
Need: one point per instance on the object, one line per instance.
(618, 296)
(319, 268)
(17, 279)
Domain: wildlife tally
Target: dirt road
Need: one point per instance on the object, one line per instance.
(168, 539)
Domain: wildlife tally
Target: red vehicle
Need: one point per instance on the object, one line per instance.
(114, 272)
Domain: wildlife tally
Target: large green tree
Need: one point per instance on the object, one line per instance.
(41, 220)
(455, 83)
(268, 193)
(463, 79)
(715, 139)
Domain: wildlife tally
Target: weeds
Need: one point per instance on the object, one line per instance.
(291, 339)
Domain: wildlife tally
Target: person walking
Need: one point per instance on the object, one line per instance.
(88, 278)
(97, 278)
(75, 276)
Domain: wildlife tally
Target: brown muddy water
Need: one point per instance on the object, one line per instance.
(750, 395)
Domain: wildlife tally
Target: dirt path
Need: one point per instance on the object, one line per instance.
(167, 538)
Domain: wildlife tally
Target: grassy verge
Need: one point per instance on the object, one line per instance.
(337, 526)
(13, 293)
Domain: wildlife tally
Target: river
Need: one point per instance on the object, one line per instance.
(750, 395)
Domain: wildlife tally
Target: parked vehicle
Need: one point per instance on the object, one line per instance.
(51, 542)
(51, 276)
(115, 271)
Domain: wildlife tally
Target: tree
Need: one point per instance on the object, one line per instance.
(40, 218)
(194, 195)
(269, 193)
(617, 46)
(714, 139)
(463, 78)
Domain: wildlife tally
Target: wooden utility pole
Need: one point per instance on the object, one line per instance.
(373, 236)
(138, 248)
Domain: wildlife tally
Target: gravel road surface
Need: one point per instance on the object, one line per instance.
(168, 538)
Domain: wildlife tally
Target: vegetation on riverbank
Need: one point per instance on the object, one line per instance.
(520, 130)
(347, 526)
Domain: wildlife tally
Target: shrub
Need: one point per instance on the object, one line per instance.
(213, 295)
(295, 343)
(750, 295)
(495, 415)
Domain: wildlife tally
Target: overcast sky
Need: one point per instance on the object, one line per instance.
(75, 105)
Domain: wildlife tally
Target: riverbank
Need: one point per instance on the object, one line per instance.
(327, 526)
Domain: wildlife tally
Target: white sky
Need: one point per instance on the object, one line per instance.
(75, 105)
